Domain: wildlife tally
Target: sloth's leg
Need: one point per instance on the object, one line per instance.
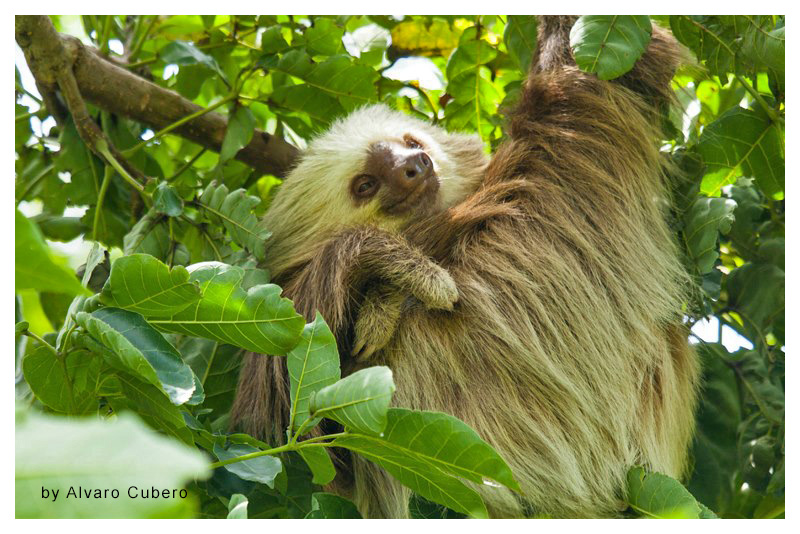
(377, 319)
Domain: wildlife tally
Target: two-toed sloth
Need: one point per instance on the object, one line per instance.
(536, 296)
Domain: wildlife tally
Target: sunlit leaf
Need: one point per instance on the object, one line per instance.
(609, 45)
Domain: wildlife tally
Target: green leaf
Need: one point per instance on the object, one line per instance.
(241, 125)
(719, 415)
(419, 475)
(443, 441)
(609, 45)
(34, 265)
(313, 364)
(743, 142)
(272, 40)
(330, 88)
(520, 39)
(235, 212)
(709, 38)
(762, 45)
(659, 496)
(93, 453)
(184, 53)
(359, 401)
(237, 507)
(329, 506)
(148, 236)
(475, 98)
(218, 365)
(166, 200)
(757, 291)
(256, 319)
(67, 386)
(138, 348)
(704, 220)
(324, 37)
(149, 402)
(57, 228)
(262, 469)
(320, 463)
(142, 284)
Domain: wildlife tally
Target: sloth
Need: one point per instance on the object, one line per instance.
(536, 296)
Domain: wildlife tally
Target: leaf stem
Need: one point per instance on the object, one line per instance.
(761, 102)
(130, 151)
(245, 457)
(40, 340)
(186, 165)
(292, 446)
(102, 147)
(109, 172)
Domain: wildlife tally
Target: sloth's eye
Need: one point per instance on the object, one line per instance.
(364, 186)
(411, 142)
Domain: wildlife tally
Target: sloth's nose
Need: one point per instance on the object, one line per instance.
(416, 167)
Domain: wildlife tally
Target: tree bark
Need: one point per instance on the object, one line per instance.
(121, 92)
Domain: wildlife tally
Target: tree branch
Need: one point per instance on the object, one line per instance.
(121, 92)
(51, 67)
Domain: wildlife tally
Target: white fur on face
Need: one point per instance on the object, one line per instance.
(315, 200)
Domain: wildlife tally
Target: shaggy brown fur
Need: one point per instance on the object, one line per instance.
(565, 350)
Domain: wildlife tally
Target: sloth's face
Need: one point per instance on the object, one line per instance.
(399, 176)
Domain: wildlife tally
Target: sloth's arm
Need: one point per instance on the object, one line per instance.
(346, 263)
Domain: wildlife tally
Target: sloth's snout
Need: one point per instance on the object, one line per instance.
(414, 169)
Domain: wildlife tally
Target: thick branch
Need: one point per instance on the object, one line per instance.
(121, 92)
(50, 66)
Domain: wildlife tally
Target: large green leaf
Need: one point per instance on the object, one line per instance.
(324, 37)
(256, 319)
(185, 53)
(762, 45)
(320, 463)
(237, 507)
(166, 200)
(330, 88)
(475, 98)
(313, 364)
(147, 401)
(241, 125)
(418, 472)
(440, 440)
(719, 415)
(359, 401)
(757, 291)
(261, 469)
(143, 284)
(329, 506)
(520, 39)
(743, 142)
(704, 220)
(659, 496)
(710, 38)
(34, 265)
(65, 384)
(148, 236)
(235, 212)
(93, 454)
(609, 45)
(217, 367)
(138, 348)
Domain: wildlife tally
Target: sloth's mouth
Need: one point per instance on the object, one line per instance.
(420, 197)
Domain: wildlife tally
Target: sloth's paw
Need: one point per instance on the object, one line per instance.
(439, 292)
(376, 321)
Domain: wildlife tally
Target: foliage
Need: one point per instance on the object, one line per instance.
(159, 331)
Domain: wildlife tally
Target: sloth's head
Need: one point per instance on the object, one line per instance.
(376, 166)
